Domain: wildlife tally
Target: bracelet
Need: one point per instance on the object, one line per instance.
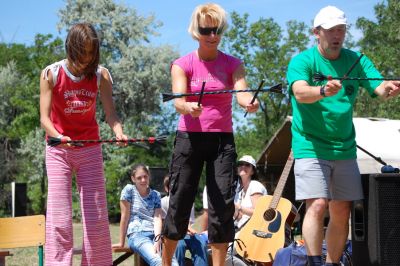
(60, 136)
(322, 91)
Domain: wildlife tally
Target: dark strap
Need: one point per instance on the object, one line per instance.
(378, 159)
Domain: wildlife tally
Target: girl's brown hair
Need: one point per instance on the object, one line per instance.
(138, 166)
(79, 36)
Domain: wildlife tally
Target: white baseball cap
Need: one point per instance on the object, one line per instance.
(329, 17)
(248, 159)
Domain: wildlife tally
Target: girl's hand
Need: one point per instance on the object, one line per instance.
(65, 145)
(157, 247)
(118, 245)
(121, 137)
(191, 231)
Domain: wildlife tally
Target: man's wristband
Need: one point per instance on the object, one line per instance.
(60, 136)
(322, 91)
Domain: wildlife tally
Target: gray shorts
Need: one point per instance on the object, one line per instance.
(337, 180)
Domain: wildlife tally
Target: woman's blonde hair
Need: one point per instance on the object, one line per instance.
(211, 10)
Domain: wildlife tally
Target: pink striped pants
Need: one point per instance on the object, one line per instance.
(87, 164)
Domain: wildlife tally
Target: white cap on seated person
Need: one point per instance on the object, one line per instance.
(329, 17)
(248, 159)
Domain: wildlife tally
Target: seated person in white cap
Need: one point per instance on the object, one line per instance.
(323, 136)
(247, 193)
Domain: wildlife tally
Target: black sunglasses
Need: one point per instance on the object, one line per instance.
(207, 30)
(244, 164)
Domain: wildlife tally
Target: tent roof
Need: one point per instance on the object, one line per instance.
(380, 137)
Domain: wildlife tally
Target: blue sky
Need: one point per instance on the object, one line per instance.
(21, 20)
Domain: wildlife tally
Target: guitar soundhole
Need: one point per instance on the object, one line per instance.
(269, 214)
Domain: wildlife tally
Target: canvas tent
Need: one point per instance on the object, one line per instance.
(380, 137)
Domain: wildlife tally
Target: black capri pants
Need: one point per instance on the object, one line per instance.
(191, 151)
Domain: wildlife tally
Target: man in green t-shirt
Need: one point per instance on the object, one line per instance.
(323, 143)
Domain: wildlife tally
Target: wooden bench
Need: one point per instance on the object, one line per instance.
(126, 253)
(21, 232)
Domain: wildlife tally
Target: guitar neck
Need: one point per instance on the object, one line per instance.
(282, 182)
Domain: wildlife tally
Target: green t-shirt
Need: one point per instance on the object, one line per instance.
(324, 129)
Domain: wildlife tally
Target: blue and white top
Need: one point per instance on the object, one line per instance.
(142, 209)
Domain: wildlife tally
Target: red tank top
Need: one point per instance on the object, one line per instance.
(73, 107)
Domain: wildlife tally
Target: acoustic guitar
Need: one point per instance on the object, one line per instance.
(268, 229)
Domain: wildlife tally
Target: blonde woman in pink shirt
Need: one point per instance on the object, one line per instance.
(205, 134)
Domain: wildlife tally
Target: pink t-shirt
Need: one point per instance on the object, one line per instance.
(217, 108)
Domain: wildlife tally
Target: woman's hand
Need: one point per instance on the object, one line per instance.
(252, 107)
(193, 109)
(238, 213)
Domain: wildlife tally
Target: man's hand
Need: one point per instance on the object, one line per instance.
(393, 88)
(332, 87)
(388, 89)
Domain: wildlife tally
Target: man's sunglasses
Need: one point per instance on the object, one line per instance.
(207, 31)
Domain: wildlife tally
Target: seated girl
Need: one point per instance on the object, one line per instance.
(141, 217)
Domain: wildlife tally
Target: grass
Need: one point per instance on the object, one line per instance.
(29, 256)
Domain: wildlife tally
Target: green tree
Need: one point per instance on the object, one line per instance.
(380, 42)
(266, 50)
(19, 73)
(20, 67)
(31, 152)
(10, 82)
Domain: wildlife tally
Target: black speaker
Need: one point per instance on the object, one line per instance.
(20, 199)
(376, 222)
